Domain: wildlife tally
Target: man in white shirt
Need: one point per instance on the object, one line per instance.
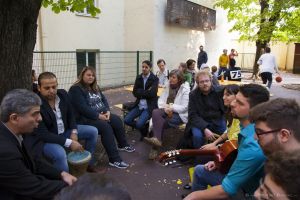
(267, 67)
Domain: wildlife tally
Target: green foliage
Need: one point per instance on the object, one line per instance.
(72, 6)
(264, 20)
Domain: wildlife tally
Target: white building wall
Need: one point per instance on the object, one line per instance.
(134, 25)
(172, 43)
(138, 25)
(67, 31)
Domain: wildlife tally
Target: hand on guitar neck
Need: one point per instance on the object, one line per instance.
(224, 155)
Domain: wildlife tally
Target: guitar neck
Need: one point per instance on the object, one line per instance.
(197, 152)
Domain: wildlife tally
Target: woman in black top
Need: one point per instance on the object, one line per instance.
(92, 108)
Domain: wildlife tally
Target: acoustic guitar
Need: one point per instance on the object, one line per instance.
(224, 155)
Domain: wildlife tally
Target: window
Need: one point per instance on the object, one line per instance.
(85, 11)
(85, 58)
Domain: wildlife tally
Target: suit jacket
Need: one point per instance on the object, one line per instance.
(47, 131)
(20, 176)
(149, 93)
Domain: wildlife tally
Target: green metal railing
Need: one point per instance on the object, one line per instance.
(113, 68)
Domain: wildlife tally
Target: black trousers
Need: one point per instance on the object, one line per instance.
(108, 132)
(267, 77)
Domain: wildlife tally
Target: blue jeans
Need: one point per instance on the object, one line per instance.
(57, 154)
(202, 178)
(134, 113)
(199, 137)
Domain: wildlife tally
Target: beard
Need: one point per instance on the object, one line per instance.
(271, 147)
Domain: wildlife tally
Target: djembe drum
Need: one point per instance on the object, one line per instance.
(78, 162)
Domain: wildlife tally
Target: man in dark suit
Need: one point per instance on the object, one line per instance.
(145, 90)
(58, 128)
(20, 176)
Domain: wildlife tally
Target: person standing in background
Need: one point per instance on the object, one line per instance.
(202, 57)
(233, 54)
(162, 74)
(223, 62)
(267, 67)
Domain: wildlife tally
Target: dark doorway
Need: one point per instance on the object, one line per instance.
(296, 68)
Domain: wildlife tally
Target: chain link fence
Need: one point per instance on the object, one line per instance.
(113, 68)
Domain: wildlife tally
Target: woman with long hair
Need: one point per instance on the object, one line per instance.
(233, 125)
(172, 109)
(92, 108)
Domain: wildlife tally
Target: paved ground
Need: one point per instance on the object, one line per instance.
(149, 180)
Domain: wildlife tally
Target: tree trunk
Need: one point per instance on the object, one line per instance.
(264, 5)
(18, 25)
(259, 47)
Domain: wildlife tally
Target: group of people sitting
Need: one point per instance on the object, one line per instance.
(186, 94)
(243, 113)
(58, 120)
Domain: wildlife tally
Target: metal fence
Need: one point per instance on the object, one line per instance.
(113, 68)
(245, 61)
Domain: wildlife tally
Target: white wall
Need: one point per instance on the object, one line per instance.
(131, 25)
(172, 43)
(138, 25)
(67, 31)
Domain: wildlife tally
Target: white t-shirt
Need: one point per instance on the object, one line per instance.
(267, 63)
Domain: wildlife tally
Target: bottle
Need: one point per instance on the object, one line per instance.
(222, 77)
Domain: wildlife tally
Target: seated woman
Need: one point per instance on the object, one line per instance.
(172, 109)
(92, 108)
(233, 125)
(187, 76)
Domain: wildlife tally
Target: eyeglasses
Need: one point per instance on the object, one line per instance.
(260, 132)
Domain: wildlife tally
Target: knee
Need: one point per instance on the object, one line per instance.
(59, 153)
(197, 133)
(156, 111)
(199, 171)
(127, 119)
(116, 119)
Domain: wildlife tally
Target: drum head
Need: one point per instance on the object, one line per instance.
(79, 157)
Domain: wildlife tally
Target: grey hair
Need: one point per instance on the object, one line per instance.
(18, 101)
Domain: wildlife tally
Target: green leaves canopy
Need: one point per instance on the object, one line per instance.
(264, 20)
(72, 5)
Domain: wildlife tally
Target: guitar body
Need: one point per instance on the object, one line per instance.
(224, 155)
